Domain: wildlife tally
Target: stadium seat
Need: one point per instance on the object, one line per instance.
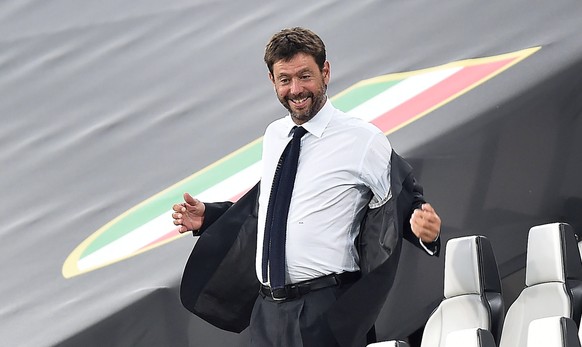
(553, 332)
(470, 338)
(472, 292)
(553, 282)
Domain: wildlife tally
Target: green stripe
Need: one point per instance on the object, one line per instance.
(162, 202)
(360, 94)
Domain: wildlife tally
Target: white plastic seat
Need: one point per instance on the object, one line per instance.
(553, 282)
(553, 332)
(470, 338)
(472, 292)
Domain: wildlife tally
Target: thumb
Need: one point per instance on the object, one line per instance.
(189, 199)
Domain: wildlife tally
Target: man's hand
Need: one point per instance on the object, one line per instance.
(426, 224)
(189, 215)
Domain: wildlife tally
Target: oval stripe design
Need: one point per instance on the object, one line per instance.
(390, 102)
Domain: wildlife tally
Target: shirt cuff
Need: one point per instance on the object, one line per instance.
(424, 245)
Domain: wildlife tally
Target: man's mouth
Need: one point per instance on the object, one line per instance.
(299, 102)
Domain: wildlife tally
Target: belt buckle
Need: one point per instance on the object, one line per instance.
(278, 294)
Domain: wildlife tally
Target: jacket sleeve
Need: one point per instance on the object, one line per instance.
(416, 190)
(212, 212)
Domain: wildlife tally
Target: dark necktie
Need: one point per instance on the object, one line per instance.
(278, 210)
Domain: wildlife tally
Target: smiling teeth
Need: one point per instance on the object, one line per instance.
(298, 101)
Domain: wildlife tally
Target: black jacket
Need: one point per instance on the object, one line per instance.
(220, 284)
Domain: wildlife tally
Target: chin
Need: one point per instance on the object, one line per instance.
(304, 117)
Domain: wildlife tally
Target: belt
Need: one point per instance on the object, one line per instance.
(296, 290)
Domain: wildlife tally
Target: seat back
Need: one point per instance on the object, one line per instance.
(472, 292)
(553, 282)
(470, 338)
(553, 332)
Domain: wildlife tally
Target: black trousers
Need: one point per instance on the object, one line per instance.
(294, 323)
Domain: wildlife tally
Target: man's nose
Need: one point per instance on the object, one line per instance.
(295, 87)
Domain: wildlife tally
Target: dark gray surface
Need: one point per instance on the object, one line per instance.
(104, 104)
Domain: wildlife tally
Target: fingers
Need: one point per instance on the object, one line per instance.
(179, 208)
(177, 218)
(422, 219)
(188, 215)
(179, 222)
(425, 223)
(181, 228)
(428, 208)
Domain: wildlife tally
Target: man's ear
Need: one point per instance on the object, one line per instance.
(272, 78)
(326, 71)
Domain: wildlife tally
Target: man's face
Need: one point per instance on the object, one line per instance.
(300, 86)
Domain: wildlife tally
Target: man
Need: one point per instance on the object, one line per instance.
(350, 205)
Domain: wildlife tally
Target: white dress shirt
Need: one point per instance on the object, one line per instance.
(343, 163)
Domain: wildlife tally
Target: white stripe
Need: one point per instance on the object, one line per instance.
(161, 225)
(400, 93)
(231, 186)
(128, 243)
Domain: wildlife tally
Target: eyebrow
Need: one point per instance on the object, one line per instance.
(307, 69)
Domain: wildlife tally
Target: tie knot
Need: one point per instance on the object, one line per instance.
(298, 132)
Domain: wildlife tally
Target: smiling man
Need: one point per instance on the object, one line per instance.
(327, 219)
(300, 85)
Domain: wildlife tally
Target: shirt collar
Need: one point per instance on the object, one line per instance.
(318, 123)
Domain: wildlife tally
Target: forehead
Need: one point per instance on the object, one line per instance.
(300, 62)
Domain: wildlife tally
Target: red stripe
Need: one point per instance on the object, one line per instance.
(239, 195)
(170, 234)
(407, 111)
